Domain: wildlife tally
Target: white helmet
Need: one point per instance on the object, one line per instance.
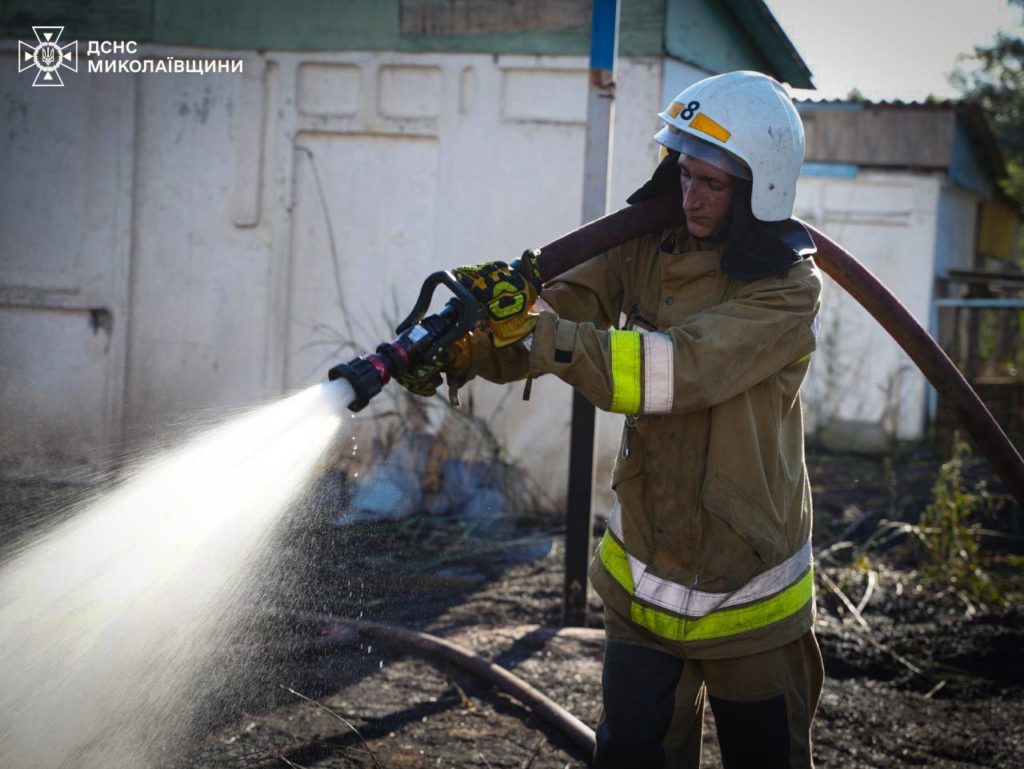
(751, 117)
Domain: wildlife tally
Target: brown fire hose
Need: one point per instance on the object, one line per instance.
(609, 231)
(959, 396)
(605, 233)
(575, 730)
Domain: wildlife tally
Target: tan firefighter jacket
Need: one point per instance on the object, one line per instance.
(708, 546)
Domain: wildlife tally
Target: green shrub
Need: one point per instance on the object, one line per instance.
(950, 532)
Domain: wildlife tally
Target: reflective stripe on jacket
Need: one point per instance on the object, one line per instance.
(679, 613)
(712, 552)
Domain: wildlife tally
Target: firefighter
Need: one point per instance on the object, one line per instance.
(701, 335)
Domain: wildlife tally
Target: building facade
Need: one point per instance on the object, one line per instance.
(911, 190)
(177, 246)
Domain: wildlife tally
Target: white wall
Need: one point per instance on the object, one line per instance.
(204, 269)
(496, 167)
(65, 235)
(862, 388)
(191, 207)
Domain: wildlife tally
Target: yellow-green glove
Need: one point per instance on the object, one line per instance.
(506, 294)
(424, 379)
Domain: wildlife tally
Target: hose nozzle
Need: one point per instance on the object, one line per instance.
(364, 376)
(421, 338)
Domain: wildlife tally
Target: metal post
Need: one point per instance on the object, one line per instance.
(600, 102)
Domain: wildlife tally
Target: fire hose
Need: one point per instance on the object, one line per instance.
(420, 337)
(537, 702)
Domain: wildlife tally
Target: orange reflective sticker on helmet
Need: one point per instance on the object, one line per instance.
(674, 109)
(704, 124)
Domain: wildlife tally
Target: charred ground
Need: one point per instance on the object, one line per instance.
(923, 674)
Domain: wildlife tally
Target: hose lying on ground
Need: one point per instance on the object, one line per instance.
(575, 730)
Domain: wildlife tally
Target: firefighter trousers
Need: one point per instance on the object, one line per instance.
(654, 706)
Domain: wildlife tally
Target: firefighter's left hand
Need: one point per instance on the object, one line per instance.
(508, 297)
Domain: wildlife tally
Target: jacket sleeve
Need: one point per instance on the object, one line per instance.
(499, 365)
(590, 292)
(593, 291)
(710, 357)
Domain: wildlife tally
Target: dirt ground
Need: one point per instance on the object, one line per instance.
(926, 677)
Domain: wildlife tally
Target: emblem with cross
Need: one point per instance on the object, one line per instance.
(48, 56)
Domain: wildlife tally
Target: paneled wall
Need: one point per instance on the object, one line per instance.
(180, 245)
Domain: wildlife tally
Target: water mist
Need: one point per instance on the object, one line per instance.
(106, 619)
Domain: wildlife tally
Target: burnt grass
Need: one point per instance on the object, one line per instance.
(928, 676)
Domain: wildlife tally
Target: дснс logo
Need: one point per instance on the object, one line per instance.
(48, 56)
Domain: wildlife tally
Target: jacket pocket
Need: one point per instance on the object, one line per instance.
(747, 517)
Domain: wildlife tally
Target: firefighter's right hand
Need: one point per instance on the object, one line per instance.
(506, 294)
(425, 378)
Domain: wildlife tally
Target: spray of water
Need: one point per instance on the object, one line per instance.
(106, 620)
